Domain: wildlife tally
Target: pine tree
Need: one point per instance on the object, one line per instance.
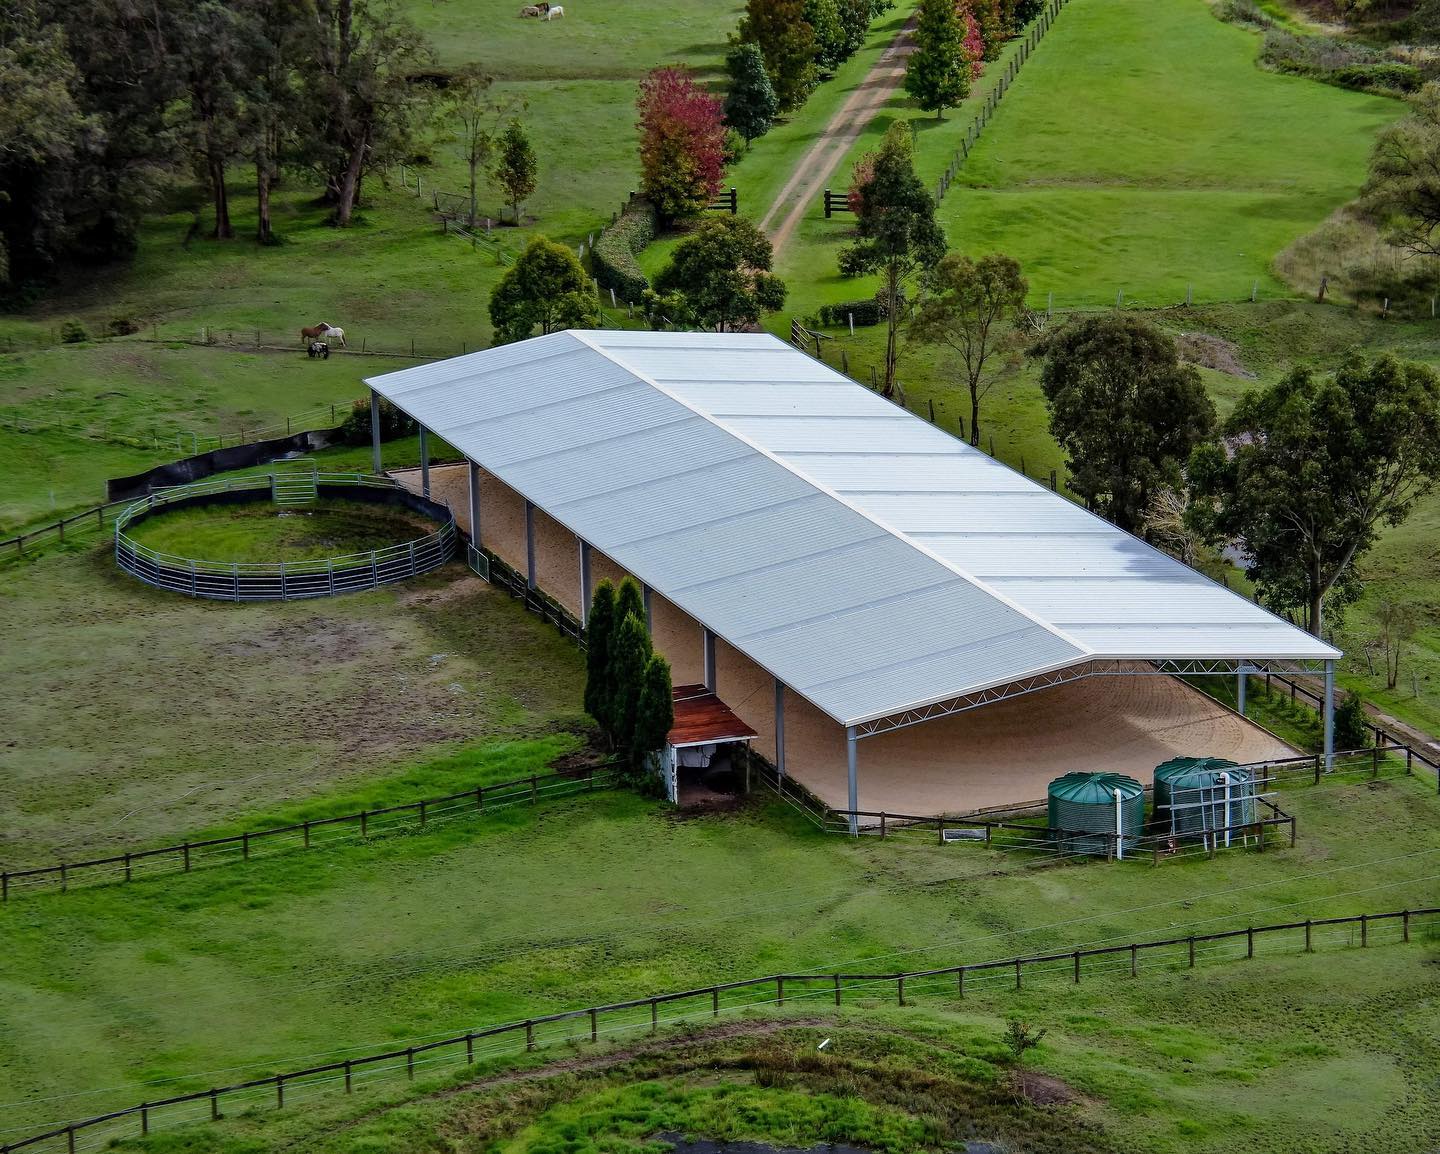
(937, 74)
(654, 712)
(751, 104)
(599, 628)
(629, 600)
(629, 651)
(787, 42)
(515, 167)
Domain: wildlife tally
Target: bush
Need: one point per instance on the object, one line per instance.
(73, 333)
(122, 326)
(393, 423)
(613, 257)
(1352, 727)
(871, 311)
(1389, 77)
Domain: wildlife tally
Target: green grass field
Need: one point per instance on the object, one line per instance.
(1142, 151)
(531, 911)
(133, 714)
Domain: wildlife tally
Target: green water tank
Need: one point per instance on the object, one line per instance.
(1194, 795)
(1082, 812)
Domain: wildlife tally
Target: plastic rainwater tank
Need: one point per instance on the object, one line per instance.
(1194, 795)
(1082, 812)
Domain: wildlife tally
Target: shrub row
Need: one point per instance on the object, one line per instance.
(613, 257)
(870, 311)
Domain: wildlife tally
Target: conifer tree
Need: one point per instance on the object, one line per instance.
(654, 712)
(787, 41)
(599, 628)
(751, 104)
(629, 651)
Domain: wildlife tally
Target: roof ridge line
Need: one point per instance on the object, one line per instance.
(1084, 651)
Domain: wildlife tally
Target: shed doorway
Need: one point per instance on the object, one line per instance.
(702, 748)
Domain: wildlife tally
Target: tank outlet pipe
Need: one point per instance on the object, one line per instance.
(1224, 779)
(1119, 829)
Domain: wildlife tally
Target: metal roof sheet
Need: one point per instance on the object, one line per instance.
(869, 560)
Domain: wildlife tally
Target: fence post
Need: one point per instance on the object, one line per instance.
(594, 1025)
(410, 1062)
(837, 976)
(4, 887)
(529, 1034)
(64, 880)
(185, 849)
(214, 1105)
(899, 989)
(714, 1001)
(1404, 925)
(1364, 931)
(279, 1091)
(127, 865)
(654, 1015)
(479, 797)
(364, 822)
(1308, 948)
(779, 990)
(347, 1076)
(245, 846)
(144, 1118)
(1077, 967)
(422, 813)
(1192, 951)
(306, 827)
(1133, 951)
(1249, 941)
(1017, 973)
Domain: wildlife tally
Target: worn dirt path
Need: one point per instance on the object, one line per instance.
(819, 163)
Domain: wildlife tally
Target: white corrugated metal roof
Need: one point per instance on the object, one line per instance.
(870, 561)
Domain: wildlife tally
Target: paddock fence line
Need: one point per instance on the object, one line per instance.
(187, 856)
(489, 566)
(284, 580)
(1024, 827)
(78, 524)
(706, 1003)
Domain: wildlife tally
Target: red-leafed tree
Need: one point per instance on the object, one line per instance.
(860, 177)
(682, 143)
(974, 41)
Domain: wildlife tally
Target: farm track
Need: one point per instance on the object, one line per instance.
(845, 127)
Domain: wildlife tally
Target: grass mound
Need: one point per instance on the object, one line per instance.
(262, 532)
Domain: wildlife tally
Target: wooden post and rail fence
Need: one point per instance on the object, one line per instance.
(572, 1027)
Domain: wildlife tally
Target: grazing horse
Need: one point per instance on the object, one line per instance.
(530, 10)
(554, 10)
(333, 334)
(312, 332)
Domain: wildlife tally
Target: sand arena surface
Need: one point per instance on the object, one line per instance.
(999, 754)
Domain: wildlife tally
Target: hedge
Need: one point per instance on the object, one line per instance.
(866, 312)
(613, 257)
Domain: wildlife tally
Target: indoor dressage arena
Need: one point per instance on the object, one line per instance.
(906, 624)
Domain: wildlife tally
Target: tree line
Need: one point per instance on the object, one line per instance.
(105, 105)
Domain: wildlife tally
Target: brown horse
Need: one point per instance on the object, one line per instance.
(313, 332)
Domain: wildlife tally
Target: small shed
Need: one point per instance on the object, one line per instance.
(703, 726)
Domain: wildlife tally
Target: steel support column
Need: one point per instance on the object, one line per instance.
(529, 545)
(1328, 711)
(1240, 678)
(649, 616)
(374, 432)
(424, 462)
(474, 504)
(709, 648)
(584, 582)
(779, 727)
(850, 750)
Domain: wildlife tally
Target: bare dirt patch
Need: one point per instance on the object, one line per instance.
(1212, 352)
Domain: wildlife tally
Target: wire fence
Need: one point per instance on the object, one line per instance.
(1033, 35)
(314, 833)
(648, 1015)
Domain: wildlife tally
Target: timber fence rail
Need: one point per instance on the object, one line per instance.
(644, 1015)
(183, 857)
(75, 525)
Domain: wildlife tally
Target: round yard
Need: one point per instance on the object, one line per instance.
(265, 533)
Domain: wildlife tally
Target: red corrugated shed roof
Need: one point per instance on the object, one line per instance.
(701, 718)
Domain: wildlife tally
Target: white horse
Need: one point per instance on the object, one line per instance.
(336, 335)
(554, 11)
